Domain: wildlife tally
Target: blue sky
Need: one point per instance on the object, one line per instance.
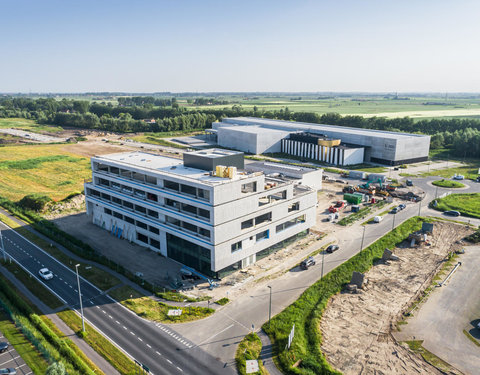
(148, 46)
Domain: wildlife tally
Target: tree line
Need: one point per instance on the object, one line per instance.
(461, 135)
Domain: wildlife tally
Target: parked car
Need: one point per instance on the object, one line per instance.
(395, 210)
(45, 274)
(452, 213)
(377, 219)
(307, 263)
(458, 177)
(409, 182)
(9, 371)
(478, 179)
(402, 206)
(3, 346)
(341, 181)
(332, 248)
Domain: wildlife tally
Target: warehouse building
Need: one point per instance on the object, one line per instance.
(338, 145)
(207, 211)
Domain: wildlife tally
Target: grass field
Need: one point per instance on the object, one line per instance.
(43, 169)
(466, 204)
(249, 349)
(448, 184)
(29, 125)
(431, 107)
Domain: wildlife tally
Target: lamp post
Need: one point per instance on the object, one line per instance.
(3, 247)
(323, 262)
(80, 297)
(270, 306)
(419, 207)
(393, 222)
(363, 237)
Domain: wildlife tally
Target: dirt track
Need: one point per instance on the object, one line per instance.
(356, 328)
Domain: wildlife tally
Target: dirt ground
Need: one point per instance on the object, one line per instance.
(357, 328)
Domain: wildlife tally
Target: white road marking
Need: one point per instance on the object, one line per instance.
(149, 346)
(124, 327)
(180, 369)
(116, 321)
(132, 333)
(140, 339)
(169, 361)
(158, 353)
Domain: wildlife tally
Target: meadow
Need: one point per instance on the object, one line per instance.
(42, 169)
(28, 125)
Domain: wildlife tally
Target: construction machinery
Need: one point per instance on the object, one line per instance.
(337, 207)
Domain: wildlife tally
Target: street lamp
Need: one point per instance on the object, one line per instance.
(270, 306)
(80, 297)
(323, 262)
(393, 222)
(3, 247)
(363, 236)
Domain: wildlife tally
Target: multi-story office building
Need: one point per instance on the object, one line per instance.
(184, 211)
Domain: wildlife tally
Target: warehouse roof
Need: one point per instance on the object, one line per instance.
(312, 128)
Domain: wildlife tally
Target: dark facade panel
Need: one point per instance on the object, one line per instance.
(398, 162)
(209, 163)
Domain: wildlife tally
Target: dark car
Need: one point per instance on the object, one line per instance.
(409, 183)
(395, 210)
(307, 263)
(332, 248)
(3, 347)
(452, 213)
(478, 179)
(402, 206)
(8, 371)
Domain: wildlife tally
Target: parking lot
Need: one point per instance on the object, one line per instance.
(11, 359)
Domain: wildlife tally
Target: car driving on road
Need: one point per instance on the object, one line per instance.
(332, 248)
(307, 263)
(402, 206)
(452, 213)
(395, 210)
(45, 274)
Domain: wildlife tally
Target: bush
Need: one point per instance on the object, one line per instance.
(222, 301)
(56, 368)
(35, 202)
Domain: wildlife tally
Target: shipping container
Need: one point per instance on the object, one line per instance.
(352, 198)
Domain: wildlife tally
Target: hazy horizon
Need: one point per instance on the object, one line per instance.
(371, 47)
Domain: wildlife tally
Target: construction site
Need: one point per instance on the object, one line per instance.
(358, 323)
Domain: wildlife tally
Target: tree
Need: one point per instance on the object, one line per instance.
(56, 368)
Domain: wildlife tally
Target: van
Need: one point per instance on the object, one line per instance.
(409, 183)
(377, 219)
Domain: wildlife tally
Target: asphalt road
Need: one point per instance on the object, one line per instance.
(448, 311)
(158, 347)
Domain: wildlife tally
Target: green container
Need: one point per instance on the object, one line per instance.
(352, 198)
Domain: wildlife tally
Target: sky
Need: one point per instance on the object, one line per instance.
(239, 46)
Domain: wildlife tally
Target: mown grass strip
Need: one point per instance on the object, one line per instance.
(307, 311)
(249, 349)
(448, 184)
(99, 343)
(156, 311)
(467, 204)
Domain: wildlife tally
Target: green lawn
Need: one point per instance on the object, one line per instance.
(249, 349)
(28, 125)
(150, 309)
(448, 184)
(466, 204)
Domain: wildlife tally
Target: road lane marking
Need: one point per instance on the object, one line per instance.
(158, 353)
(116, 321)
(149, 346)
(132, 333)
(124, 327)
(180, 369)
(169, 361)
(139, 339)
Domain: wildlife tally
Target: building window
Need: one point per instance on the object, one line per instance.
(128, 219)
(263, 218)
(262, 236)
(190, 227)
(106, 196)
(189, 190)
(127, 189)
(138, 176)
(171, 185)
(139, 193)
(114, 170)
(294, 207)
(152, 197)
(203, 194)
(128, 205)
(172, 221)
(247, 224)
(150, 180)
(140, 209)
(153, 230)
(103, 182)
(142, 225)
(116, 186)
(204, 213)
(279, 195)
(290, 223)
(153, 214)
(94, 192)
(190, 254)
(204, 232)
(116, 200)
(154, 243)
(236, 246)
(102, 168)
(126, 173)
(117, 215)
(250, 187)
(107, 211)
(142, 237)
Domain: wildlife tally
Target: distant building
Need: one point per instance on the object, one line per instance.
(338, 145)
(208, 211)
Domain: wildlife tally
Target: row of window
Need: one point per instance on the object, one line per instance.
(267, 199)
(182, 207)
(143, 178)
(130, 220)
(250, 223)
(199, 231)
(265, 234)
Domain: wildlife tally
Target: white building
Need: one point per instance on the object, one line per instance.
(180, 209)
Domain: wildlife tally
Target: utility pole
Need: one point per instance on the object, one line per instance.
(436, 192)
(3, 247)
(393, 222)
(323, 262)
(363, 236)
(80, 297)
(270, 306)
(419, 207)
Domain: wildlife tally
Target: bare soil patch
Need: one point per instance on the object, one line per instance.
(92, 148)
(357, 328)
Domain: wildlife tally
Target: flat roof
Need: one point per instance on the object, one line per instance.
(255, 129)
(311, 127)
(214, 153)
(163, 164)
(279, 167)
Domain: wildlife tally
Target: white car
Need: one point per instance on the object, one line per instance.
(45, 274)
(458, 177)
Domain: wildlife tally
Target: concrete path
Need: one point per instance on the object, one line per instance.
(267, 353)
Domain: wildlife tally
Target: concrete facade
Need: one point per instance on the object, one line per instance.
(209, 223)
(252, 139)
(380, 146)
